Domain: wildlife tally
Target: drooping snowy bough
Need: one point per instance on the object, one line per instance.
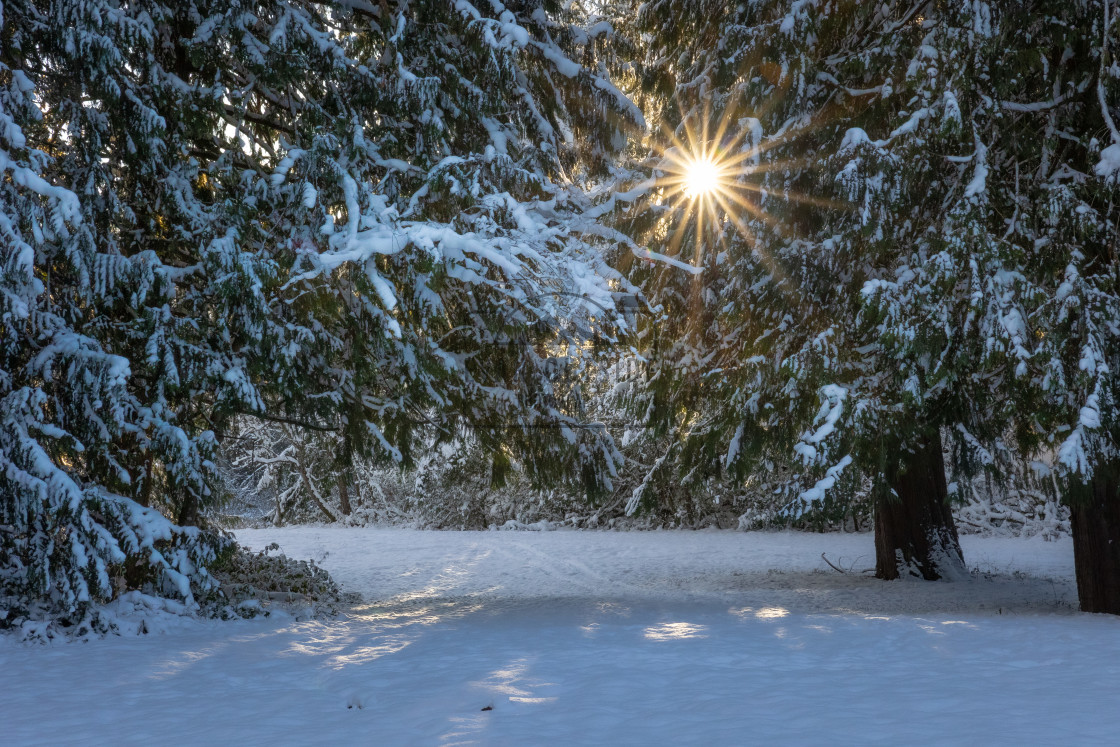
(346, 217)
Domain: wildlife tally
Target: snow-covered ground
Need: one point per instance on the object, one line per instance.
(632, 638)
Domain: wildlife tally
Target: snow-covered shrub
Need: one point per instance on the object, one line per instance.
(252, 583)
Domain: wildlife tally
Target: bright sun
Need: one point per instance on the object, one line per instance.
(704, 181)
(701, 178)
(709, 179)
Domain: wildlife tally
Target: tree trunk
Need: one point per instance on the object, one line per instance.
(343, 495)
(1095, 521)
(914, 530)
(188, 512)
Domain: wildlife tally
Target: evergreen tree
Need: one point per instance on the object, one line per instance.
(70, 418)
(348, 217)
(864, 283)
(1061, 142)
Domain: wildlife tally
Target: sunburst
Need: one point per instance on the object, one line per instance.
(702, 178)
(710, 178)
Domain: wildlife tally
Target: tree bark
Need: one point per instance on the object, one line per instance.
(343, 495)
(1095, 521)
(914, 530)
(188, 512)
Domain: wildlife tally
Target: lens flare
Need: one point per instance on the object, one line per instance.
(702, 178)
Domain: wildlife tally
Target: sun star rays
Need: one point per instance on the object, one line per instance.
(702, 177)
(712, 180)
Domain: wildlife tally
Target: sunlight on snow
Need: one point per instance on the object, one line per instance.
(450, 577)
(516, 699)
(503, 680)
(321, 639)
(391, 613)
(465, 727)
(510, 681)
(173, 667)
(763, 613)
(394, 623)
(675, 631)
(336, 639)
(365, 654)
(935, 630)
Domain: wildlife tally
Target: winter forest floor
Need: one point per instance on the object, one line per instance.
(613, 638)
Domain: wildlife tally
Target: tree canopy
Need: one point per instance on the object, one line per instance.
(863, 238)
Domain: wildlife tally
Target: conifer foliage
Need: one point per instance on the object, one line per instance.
(344, 216)
(908, 185)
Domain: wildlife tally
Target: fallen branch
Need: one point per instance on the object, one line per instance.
(830, 565)
(841, 570)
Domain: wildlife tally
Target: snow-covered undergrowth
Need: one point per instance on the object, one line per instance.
(60, 559)
(602, 638)
(456, 494)
(240, 584)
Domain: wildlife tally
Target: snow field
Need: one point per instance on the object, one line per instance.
(632, 638)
